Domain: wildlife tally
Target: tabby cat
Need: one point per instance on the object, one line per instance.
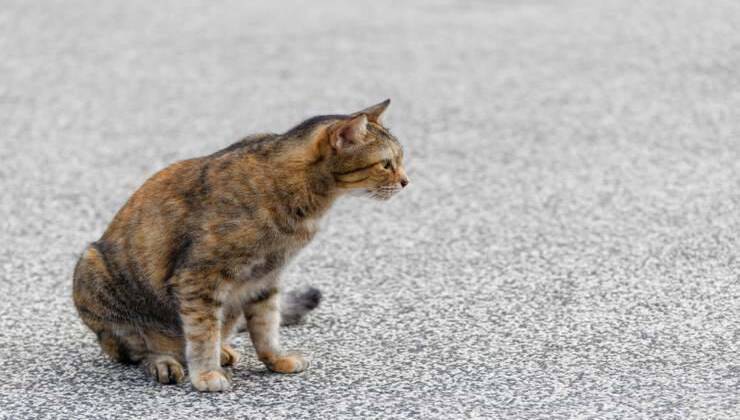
(200, 246)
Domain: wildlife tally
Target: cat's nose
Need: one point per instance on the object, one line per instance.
(404, 182)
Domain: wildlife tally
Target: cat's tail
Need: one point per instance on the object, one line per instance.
(297, 303)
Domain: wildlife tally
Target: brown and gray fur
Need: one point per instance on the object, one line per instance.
(200, 246)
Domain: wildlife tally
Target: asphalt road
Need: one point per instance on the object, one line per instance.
(567, 247)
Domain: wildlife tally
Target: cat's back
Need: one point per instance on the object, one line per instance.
(163, 201)
(179, 191)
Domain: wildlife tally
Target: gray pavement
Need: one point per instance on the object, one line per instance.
(567, 248)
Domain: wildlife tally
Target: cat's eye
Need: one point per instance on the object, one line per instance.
(387, 164)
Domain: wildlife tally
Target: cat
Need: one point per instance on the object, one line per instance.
(199, 247)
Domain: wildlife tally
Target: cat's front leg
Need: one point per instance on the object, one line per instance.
(263, 324)
(201, 314)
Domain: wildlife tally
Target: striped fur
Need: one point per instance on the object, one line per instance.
(200, 246)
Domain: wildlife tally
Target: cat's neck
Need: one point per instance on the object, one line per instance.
(301, 183)
(314, 195)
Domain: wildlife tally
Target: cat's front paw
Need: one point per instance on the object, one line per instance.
(286, 363)
(210, 381)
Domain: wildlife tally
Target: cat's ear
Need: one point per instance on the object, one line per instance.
(349, 133)
(375, 112)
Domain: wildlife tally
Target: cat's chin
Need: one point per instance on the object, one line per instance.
(383, 193)
(378, 194)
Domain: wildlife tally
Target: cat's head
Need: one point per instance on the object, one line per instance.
(363, 156)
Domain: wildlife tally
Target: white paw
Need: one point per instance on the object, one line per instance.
(210, 381)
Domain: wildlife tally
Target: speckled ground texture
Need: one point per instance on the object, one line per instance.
(567, 247)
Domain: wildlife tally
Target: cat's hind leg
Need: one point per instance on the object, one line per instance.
(164, 357)
(229, 356)
(163, 368)
(91, 276)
